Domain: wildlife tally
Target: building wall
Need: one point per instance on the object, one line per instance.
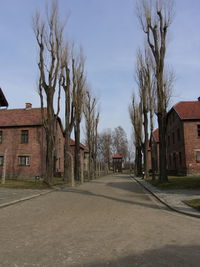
(176, 161)
(192, 146)
(35, 149)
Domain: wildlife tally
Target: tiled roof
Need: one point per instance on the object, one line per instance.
(72, 143)
(155, 134)
(19, 117)
(188, 109)
(117, 156)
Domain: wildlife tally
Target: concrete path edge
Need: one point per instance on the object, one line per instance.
(164, 202)
(25, 198)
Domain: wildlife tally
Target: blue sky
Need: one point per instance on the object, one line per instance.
(110, 35)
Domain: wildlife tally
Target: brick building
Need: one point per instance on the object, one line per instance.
(23, 143)
(183, 138)
(84, 153)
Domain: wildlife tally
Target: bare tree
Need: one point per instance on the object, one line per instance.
(142, 78)
(91, 124)
(79, 81)
(67, 81)
(105, 149)
(155, 18)
(49, 35)
(135, 113)
(120, 142)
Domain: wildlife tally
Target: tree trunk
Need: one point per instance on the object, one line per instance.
(50, 140)
(67, 159)
(138, 161)
(77, 152)
(162, 122)
(145, 144)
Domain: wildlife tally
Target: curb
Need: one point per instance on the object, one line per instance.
(164, 202)
(25, 198)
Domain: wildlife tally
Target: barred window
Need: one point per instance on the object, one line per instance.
(24, 136)
(24, 160)
(198, 156)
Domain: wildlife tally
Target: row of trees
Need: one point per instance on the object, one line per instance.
(62, 72)
(111, 142)
(154, 82)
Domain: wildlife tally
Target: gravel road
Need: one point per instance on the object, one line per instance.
(107, 222)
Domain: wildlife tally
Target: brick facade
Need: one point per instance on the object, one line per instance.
(183, 139)
(23, 143)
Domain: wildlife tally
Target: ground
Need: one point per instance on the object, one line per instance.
(108, 222)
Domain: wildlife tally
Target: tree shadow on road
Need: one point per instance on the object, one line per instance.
(121, 200)
(167, 256)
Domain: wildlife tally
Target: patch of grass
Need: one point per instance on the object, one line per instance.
(195, 203)
(178, 183)
(29, 183)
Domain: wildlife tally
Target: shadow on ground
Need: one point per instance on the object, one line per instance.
(121, 200)
(167, 256)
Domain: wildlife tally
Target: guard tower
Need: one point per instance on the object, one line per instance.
(117, 162)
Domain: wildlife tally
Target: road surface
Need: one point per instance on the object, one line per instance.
(111, 221)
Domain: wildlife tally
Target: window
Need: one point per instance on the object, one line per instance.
(178, 135)
(1, 160)
(24, 136)
(24, 160)
(198, 130)
(198, 156)
(173, 138)
(1, 137)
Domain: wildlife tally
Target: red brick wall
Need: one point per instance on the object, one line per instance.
(176, 162)
(34, 149)
(192, 145)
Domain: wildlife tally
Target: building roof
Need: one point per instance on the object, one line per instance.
(20, 117)
(117, 156)
(188, 109)
(155, 134)
(23, 117)
(3, 101)
(72, 143)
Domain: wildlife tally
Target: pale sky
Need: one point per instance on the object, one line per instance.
(110, 35)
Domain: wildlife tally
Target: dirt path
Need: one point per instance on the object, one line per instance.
(107, 222)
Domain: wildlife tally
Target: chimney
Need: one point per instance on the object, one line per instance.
(198, 98)
(28, 106)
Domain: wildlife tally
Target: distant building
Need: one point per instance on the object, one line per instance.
(117, 162)
(22, 135)
(84, 155)
(183, 138)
